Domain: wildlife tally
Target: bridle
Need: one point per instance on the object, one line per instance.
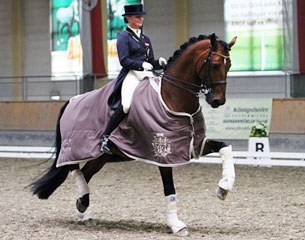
(204, 74)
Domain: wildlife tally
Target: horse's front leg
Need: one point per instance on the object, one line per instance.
(228, 172)
(177, 226)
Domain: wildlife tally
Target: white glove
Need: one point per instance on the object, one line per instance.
(147, 66)
(162, 62)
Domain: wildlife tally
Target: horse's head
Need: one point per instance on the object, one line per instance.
(199, 66)
(212, 69)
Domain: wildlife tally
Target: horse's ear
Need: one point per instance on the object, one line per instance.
(230, 44)
(213, 41)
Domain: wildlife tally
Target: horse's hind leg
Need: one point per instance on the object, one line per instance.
(82, 178)
(172, 220)
(83, 191)
(228, 171)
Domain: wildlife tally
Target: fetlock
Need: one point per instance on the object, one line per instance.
(82, 203)
(172, 219)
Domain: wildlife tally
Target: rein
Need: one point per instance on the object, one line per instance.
(203, 88)
(174, 81)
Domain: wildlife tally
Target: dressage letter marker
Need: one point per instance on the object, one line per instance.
(259, 146)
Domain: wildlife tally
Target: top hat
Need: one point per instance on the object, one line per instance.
(134, 10)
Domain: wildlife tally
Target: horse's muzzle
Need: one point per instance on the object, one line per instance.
(215, 103)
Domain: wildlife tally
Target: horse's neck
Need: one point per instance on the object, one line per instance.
(178, 99)
(183, 69)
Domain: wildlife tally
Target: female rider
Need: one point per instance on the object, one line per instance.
(136, 58)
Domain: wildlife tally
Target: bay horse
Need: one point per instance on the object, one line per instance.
(199, 67)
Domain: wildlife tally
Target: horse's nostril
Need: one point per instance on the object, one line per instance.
(217, 102)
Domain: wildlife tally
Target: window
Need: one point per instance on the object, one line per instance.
(259, 27)
(66, 45)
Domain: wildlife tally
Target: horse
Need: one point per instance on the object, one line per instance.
(198, 68)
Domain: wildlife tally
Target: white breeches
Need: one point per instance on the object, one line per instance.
(129, 85)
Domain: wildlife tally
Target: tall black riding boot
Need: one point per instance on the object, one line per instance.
(115, 120)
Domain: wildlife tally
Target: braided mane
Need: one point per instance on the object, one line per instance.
(191, 41)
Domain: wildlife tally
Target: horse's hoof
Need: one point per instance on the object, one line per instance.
(182, 233)
(222, 193)
(86, 218)
(82, 203)
(80, 207)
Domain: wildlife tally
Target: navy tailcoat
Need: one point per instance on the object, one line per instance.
(132, 52)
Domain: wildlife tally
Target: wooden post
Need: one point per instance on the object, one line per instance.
(17, 32)
(181, 11)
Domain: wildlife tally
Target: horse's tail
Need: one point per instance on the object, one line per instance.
(53, 177)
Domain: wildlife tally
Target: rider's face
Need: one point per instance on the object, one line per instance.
(135, 21)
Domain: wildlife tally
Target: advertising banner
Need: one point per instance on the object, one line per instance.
(66, 51)
(259, 27)
(238, 118)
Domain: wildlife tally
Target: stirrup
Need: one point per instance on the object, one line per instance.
(106, 144)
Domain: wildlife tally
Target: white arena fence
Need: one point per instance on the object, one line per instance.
(26, 152)
(292, 159)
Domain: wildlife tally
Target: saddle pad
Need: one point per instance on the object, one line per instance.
(150, 132)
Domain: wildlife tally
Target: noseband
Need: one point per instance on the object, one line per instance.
(204, 74)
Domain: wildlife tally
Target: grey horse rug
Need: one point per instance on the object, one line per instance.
(150, 132)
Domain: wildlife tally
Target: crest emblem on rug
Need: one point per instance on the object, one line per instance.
(161, 145)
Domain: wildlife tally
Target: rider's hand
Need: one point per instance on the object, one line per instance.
(162, 62)
(147, 66)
